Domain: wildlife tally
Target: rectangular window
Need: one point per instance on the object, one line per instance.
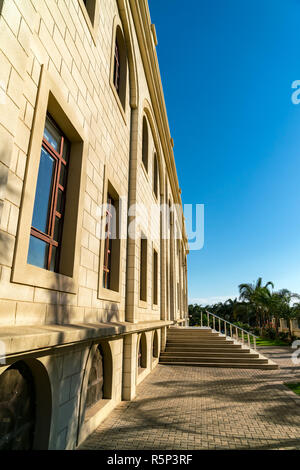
(48, 213)
(155, 277)
(143, 269)
(108, 242)
(111, 260)
(117, 68)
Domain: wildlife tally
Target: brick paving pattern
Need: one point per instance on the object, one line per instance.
(207, 408)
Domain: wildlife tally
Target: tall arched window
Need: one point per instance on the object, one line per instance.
(155, 175)
(117, 67)
(145, 144)
(120, 66)
(17, 408)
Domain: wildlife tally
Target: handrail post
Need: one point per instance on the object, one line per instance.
(230, 330)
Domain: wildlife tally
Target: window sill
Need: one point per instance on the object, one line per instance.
(143, 304)
(94, 416)
(110, 295)
(142, 374)
(38, 277)
(93, 410)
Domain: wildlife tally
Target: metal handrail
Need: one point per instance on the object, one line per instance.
(230, 329)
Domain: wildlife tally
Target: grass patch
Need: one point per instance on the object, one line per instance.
(270, 342)
(265, 341)
(295, 387)
(259, 341)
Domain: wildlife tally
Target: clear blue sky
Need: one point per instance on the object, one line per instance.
(227, 67)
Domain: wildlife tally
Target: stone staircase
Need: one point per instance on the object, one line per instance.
(205, 347)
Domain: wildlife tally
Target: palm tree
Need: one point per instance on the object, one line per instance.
(257, 295)
(237, 310)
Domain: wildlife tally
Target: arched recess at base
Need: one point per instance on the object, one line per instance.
(97, 380)
(25, 406)
(155, 345)
(142, 353)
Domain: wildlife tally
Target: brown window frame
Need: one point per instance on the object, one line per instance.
(143, 268)
(108, 243)
(117, 68)
(145, 144)
(155, 278)
(155, 175)
(52, 211)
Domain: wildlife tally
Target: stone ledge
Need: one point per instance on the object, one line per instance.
(25, 339)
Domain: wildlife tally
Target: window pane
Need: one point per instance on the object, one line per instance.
(57, 229)
(52, 135)
(60, 201)
(63, 176)
(43, 192)
(38, 252)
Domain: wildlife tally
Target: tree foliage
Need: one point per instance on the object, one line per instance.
(258, 307)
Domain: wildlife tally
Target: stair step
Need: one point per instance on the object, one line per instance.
(197, 340)
(190, 333)
(208, 348)
(219, 347)
(222, 364)
(200, 342)
(235, 360)
(223, 354)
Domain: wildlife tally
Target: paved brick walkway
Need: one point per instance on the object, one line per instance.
(205, 408)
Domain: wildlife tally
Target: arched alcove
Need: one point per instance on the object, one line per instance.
(155, 350)
(25, 406)
(97, 381)
(142, 353)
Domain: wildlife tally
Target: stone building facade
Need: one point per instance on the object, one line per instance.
(86, 157)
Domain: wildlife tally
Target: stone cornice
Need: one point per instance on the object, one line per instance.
(22, 340)
(141, 17)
